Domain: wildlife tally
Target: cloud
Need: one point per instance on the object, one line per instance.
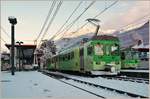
(117, 19)
(139, 9)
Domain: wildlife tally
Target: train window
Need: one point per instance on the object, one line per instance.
(72, 55)
(56, 59)
(115, 49)
(52, 60)
(122, 55)
(49, 60)
(68, 56)
(89, 50)
(60, 58)
(63, 57)
(107, 49)
(98, 49)
(134, 54)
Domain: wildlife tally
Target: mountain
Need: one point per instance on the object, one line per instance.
(128, 37)
(131, 37)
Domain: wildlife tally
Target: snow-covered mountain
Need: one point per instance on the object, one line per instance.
(131, 37)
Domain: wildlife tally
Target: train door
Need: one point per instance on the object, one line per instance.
(81, 59)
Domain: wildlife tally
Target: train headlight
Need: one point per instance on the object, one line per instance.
(112, 69)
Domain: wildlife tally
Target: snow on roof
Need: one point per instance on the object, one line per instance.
(141, 46)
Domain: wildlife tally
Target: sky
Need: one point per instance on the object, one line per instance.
(32, 14)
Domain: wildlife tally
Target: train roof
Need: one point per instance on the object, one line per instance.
(105, 37)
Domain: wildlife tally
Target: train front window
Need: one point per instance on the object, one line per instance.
(115, 49)
(134, 54)
(98, 49)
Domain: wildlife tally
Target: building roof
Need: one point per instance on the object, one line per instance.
(105, 37)
(23, 46)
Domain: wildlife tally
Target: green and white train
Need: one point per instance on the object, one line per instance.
(99, 55)
(129, 59)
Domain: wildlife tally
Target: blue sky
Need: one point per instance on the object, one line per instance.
(31, 16)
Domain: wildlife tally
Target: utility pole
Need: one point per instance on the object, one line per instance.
(13, 21)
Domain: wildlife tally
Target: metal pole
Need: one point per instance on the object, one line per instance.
(12, 50)
(19, 57)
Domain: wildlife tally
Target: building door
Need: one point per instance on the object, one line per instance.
(81, 59)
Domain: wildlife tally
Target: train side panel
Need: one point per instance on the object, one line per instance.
(70, 61)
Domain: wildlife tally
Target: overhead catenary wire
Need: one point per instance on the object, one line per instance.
(5, 31)
(47, 18)
(66, 20)
(71, 24)
(133, 22)
(97, 15)
(3, 40)
(106, 8)
(52, 19)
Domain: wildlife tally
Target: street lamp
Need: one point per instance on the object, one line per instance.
(95, 23)
(19, 42)
(13, 21)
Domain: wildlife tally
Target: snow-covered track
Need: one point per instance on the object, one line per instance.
(125, 78)
(90, 84)
(57, 78)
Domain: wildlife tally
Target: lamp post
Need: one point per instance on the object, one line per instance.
(95, 23)
(19, 42)
(13, 22)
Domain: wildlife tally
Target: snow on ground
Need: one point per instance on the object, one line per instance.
(102, 92)
(133, 87)
(33, 84)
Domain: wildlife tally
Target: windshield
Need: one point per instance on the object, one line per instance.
(131, 55)
(115, 49)
(98, 49)
(106, 49)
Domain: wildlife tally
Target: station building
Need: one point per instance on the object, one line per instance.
(24, 53)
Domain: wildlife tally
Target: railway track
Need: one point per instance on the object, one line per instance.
(119, 92)
(131, 79)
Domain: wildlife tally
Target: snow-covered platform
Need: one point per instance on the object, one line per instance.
(34, 84)
(136, 71)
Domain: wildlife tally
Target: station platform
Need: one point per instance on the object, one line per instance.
(135, 73)
(33, 84)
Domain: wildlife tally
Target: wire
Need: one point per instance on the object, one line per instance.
(46, 20)
(3, 40)
(71, 24)
(53, 17)
(137, 20)
(66, 20)
(5, 31)
(97, 15)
